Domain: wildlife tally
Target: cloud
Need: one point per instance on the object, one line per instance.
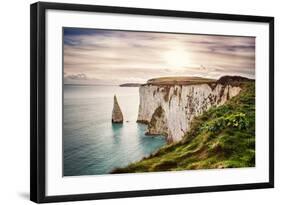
(75, 78)
(92, 55)
(79, 76)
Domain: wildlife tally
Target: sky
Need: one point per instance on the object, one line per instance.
(108, 57)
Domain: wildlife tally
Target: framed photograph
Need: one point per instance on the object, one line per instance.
(129, 102)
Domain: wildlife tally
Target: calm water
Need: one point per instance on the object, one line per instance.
(91, 143)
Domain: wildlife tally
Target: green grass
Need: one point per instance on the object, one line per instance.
(179, 80)
(222, 137)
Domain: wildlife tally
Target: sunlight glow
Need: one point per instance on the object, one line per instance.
(177, 58)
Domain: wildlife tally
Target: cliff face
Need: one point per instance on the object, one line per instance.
(117, 116)
(169, 109)
(222, 137)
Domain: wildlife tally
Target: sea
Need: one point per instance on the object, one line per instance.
(92, 144)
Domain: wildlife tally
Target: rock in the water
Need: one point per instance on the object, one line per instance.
(117, 116)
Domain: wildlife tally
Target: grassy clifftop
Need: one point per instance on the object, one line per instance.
(176, 80)
(222, 137)
(188, 80)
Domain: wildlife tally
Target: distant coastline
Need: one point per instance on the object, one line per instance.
(130, 85)
(121, 85)
(74, 84)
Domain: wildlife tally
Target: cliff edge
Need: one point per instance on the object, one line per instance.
(168, 105)
(221, 137)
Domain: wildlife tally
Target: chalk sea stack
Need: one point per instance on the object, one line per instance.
(117, 116)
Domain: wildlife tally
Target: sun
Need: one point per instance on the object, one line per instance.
(177, 58)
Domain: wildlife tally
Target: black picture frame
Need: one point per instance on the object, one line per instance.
(38, 101)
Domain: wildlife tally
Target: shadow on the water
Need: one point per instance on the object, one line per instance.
(141, 126)
(116, 128)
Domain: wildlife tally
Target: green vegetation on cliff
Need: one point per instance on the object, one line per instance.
(222, 137)
(176, 80)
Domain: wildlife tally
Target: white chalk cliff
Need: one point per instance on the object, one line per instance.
(169, 109)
